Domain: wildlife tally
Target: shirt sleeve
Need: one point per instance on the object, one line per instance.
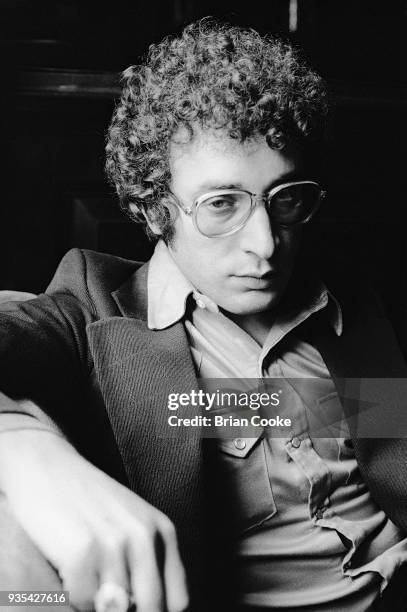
(24, 414)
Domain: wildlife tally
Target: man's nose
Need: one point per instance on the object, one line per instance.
(257, 235)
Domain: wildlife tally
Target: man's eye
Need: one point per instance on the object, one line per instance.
(220, 204)
(287, 201)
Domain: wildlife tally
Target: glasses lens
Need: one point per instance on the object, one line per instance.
(294, 203)
(222, 212)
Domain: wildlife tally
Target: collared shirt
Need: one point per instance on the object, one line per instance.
(305, 516)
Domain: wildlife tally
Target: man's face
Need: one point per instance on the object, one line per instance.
(247, 272)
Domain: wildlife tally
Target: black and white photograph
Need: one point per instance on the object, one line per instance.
(203, 306)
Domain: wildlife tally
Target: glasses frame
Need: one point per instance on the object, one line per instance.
(254, 199)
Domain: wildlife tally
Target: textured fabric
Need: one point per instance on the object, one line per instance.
(15, 296)
(74, 351)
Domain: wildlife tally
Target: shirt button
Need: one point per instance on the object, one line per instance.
(296, 442)
(319, 514)
(239, 444)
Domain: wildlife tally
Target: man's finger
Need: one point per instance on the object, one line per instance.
(175, 582)
(114, 586)
(80, 578)
(145, 576)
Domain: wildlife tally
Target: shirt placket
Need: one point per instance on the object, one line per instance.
(298, 446)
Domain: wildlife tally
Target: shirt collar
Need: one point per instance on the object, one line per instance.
(168, 291)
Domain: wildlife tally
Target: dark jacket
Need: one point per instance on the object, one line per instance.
(84, 353)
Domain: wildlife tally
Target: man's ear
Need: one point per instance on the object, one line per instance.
(151, 221)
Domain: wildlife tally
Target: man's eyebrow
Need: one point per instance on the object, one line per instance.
(213, 186)
(292, 175)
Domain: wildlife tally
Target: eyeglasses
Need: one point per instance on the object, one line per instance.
(225, 211)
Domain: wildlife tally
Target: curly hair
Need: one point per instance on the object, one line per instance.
(215, 76)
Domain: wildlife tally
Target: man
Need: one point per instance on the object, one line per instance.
(214, 146)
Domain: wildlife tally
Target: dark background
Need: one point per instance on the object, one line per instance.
(59, 66)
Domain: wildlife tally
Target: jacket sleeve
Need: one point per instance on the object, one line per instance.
(44, 361)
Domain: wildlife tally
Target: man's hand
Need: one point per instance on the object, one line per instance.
(90, 527)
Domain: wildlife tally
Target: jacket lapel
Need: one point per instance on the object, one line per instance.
(137, 369)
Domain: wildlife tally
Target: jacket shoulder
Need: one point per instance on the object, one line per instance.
(91, 277)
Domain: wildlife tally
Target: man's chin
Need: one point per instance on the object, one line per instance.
(253, 302)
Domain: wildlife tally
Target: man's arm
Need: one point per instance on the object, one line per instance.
(88, 526)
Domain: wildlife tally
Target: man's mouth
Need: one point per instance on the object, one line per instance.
(254, 280)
